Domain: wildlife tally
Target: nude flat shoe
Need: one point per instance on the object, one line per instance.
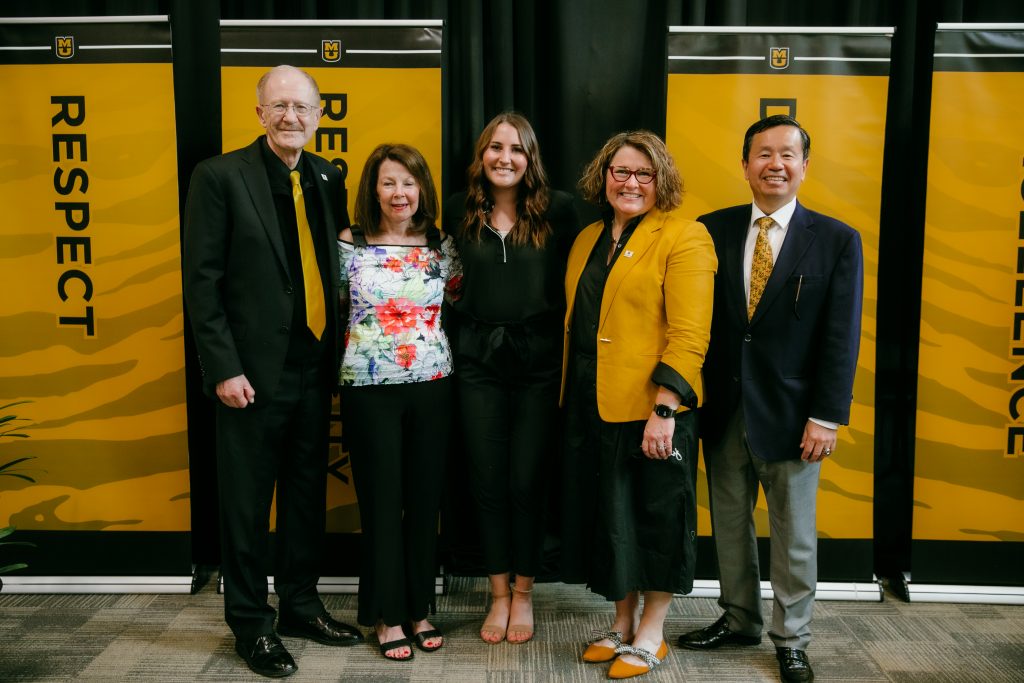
(496, 629)
(520, 628)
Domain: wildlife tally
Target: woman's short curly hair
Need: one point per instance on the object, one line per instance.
(667, 181)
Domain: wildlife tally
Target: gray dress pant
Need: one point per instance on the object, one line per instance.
(790, 487)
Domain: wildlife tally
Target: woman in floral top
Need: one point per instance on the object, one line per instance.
(396, 269)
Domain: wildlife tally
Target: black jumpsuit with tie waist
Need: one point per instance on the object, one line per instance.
(508, 354)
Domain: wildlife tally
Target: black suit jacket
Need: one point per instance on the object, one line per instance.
(238, 289)
(797, 356)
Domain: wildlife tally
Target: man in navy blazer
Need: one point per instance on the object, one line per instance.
(779, 382)
(270, 367)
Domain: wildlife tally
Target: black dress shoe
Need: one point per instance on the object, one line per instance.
(793, 665)
(266, 655)
(323, 629)
(716, 635)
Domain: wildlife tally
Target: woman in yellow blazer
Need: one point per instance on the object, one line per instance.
(639, 287)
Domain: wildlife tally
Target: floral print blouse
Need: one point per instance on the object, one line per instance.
(393, 294)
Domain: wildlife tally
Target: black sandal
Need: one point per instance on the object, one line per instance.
(422, 637)
(394, 645)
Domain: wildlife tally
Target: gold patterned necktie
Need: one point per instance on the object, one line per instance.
(316, 315)
(761, 265)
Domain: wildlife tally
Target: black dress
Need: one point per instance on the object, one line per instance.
(628, 522)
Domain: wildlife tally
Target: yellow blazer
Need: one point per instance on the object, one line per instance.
(656, 308)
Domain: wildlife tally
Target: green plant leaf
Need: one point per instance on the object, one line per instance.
(7, 422)
(7, 531)
(12, 567)
(6, 467)
(15, 462)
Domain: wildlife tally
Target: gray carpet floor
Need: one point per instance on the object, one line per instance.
(183, 638)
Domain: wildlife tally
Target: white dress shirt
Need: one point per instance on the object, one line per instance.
(776, 236)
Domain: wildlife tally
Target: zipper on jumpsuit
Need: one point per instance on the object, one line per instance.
(504, 254)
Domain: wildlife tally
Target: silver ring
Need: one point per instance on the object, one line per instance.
(827, 451)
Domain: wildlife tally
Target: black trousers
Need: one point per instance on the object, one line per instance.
(509, 381)
(397, 435)
(284, 442)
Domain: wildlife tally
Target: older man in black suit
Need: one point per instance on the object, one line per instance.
(260, 274)
(779, 381)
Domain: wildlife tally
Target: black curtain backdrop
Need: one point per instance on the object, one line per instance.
(582, 70)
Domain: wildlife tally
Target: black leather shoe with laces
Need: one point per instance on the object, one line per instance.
(794, 666)
(266, 655)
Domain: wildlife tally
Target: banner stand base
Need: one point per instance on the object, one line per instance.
(994, 595)
(867, 591)
(344, 585)
(97, 584)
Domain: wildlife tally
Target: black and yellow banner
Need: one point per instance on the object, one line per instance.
(379, 82)
(835, 82)
(91, 352)
(969, 457)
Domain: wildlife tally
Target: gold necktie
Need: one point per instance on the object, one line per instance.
(316, 315)
(761, 265)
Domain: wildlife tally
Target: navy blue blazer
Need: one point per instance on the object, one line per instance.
(797, 356)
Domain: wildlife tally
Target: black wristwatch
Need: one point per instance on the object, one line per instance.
(662, 410)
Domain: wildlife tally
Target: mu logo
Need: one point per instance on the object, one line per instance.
(64, 46)
(330, 50)
(778, 57)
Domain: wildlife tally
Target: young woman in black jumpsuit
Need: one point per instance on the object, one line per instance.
(513, 235)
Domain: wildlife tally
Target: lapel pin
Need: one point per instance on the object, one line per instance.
(324, 176)
(629, 254)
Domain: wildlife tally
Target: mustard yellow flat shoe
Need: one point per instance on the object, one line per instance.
(621, 669)
(595, 654)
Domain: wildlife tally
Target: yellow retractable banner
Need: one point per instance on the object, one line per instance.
(835, 82)
(969, 470)
(379, 82)
(91, 352)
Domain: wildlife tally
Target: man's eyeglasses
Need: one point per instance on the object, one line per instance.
(280, 109)
(642, 175)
